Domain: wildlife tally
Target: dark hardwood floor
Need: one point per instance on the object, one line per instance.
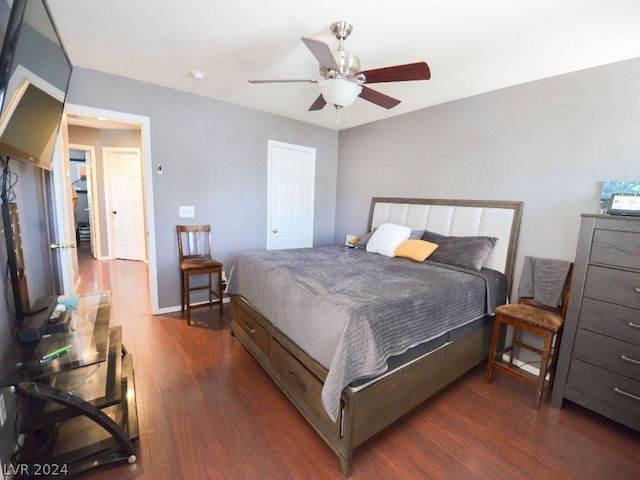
(208, 411)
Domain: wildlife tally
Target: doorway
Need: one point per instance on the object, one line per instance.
(98, 127)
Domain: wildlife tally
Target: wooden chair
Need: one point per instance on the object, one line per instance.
(194, 248)
(536, 318)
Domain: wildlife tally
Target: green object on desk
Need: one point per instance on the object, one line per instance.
(56, 352)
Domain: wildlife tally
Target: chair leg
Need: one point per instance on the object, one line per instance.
(182, 292)
(209, 290)
(554, 358)
(187, 288)
(514, 343)
(221, 292)
(544, 365)
(492, 350)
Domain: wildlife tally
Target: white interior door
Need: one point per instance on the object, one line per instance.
(127, 203)
(64, 231)
(290, 196)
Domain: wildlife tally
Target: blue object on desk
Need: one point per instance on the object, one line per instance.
(69, 301)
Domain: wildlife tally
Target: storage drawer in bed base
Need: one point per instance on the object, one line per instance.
(365, 410)
(303, 388)
(260, 338)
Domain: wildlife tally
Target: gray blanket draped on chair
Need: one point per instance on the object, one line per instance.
(543, 280)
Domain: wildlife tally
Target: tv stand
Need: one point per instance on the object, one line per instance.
(81, 404)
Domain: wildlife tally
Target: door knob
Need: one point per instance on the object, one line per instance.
(275, 230)
(63, 245)
(115, 212)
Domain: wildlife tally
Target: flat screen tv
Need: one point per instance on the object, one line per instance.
(34, 77)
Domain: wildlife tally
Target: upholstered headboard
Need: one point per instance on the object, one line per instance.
(460, 218)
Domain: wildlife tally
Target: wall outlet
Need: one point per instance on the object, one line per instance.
(3, 411)
(186, 211)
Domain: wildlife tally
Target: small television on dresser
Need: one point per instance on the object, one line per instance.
(34, 77)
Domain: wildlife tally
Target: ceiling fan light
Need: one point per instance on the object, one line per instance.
(339, 92)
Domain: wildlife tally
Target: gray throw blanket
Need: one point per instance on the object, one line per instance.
(351, 310)
(543, 279)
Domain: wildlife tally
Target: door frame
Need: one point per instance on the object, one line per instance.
(147, 180)
(96, 247)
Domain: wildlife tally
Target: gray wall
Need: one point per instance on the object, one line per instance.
(214, 157)
(548, 143)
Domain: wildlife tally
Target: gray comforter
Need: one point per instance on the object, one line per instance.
(351, 310)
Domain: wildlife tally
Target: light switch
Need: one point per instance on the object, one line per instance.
(186, 211)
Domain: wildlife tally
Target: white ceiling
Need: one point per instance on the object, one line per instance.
(471, 46)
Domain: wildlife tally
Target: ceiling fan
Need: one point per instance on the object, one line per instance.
(343, 81)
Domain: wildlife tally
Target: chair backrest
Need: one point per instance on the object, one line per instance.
(560, 309)
(194, 241)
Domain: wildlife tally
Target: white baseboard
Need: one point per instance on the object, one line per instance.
(176, 308)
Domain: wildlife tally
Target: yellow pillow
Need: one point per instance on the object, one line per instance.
(418, 250)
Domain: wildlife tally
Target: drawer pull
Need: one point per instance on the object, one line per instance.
(251, 329)
(299, 382)
(626, 394)
(637, 289)
(634, 325)
(630, 360)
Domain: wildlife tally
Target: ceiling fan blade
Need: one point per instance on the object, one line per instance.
(399, 73)
(322, 52)
(378, 98)
(284, 80)
(318, 104)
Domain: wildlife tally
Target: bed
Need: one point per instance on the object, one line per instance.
(356, 339)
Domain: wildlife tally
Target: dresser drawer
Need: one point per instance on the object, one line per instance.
(301, 384)
(612, 285)
(618, 248)
(611, 354)
(617, 390)
(611, 320)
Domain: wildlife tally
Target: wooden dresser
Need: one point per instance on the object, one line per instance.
(599, 362)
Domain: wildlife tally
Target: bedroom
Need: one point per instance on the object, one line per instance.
(548, 143)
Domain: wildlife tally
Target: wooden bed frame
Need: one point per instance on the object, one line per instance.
(367, 409)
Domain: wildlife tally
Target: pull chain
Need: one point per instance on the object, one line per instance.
(338, 108)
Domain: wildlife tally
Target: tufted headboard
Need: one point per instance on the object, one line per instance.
(460, 218)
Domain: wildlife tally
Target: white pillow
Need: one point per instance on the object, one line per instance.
(387, 238)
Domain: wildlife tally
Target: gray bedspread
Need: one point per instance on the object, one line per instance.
(351, 310)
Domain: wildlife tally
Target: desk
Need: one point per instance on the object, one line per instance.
(82, 407)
